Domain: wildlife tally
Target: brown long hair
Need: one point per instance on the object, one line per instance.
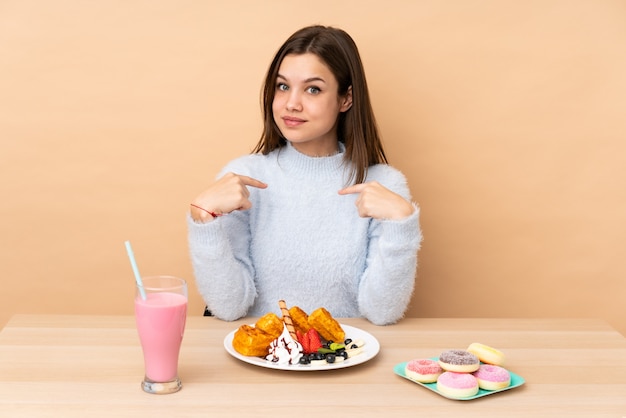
(357, 126)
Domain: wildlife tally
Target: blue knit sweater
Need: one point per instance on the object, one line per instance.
(303, 242)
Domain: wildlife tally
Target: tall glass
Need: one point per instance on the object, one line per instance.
(161, 318)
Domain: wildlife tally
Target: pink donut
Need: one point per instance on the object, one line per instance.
(457, 385)
(423, 370)
(491, 377)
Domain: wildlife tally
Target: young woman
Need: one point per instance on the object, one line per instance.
(315, 215)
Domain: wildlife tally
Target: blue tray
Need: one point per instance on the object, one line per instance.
(516, 381)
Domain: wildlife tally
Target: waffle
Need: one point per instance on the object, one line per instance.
(300, 319)
(326, 325)
(255, 341)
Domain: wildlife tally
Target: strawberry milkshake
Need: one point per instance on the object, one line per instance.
(160, 313)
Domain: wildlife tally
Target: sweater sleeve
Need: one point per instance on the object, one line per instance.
(221, 261)
(387, 284)
(222, 266)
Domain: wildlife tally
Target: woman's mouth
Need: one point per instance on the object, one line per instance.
(292, 122)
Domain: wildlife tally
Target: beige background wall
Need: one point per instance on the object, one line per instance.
(506, 116)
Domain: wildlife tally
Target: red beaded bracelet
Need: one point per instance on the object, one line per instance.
(213, 214)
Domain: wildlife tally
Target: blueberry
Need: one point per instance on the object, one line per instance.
(347, 341)
(304, 360)
(330, 358)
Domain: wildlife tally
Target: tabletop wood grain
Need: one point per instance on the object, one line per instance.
(91, 366)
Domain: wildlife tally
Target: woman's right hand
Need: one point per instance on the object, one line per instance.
(227, 194)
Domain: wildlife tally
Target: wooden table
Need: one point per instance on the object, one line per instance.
(91, 366)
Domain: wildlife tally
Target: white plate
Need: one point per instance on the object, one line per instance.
(370, 349)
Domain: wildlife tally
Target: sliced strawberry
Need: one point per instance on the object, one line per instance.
(303, 339)
(314, 340)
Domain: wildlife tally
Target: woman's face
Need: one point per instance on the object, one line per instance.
(306, 104)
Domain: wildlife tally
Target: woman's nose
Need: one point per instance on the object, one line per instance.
(294, 103)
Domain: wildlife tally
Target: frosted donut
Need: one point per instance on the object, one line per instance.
(460, 361)
(492, 377)
(457, 385)
(487, 354)
(423, 370)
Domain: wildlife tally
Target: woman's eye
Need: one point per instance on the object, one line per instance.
(282, 87)
(314, 90)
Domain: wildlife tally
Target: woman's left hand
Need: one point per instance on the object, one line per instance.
(378, 202)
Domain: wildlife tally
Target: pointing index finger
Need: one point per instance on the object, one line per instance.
(249, 181)
(355, 188)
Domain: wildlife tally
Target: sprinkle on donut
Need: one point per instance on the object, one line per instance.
(492, 377)
(423, 370)
(460, 361)
(457, 385)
